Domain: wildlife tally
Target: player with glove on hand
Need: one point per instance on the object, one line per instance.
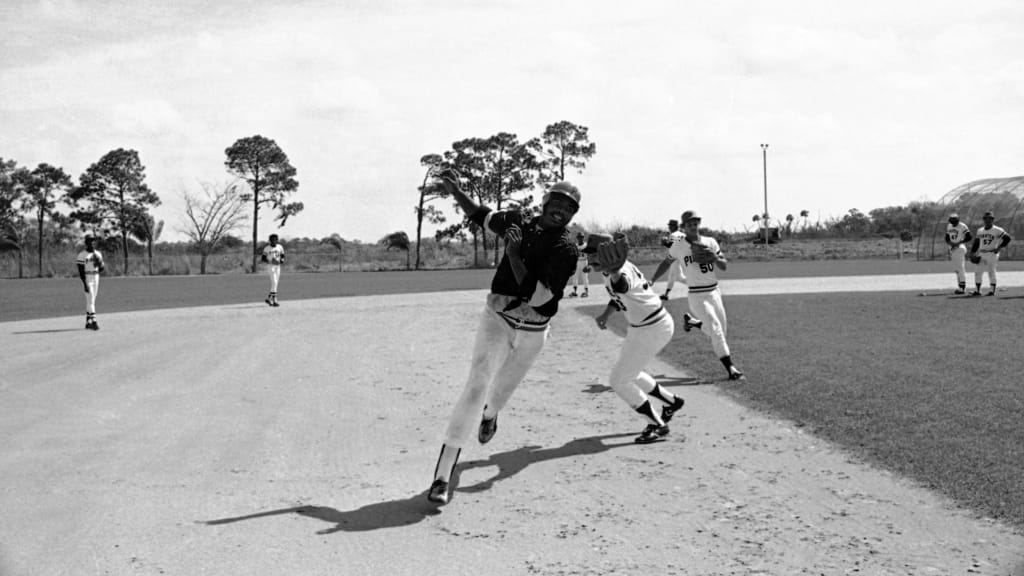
(650, 329)
(90, 265)
(701, 257)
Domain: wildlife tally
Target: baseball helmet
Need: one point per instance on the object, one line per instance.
(689, 215)
(563, 188)
(595, 240)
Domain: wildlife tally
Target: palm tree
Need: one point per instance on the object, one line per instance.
(804, 214)
(789, 224)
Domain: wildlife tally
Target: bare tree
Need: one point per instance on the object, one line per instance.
(212, 217)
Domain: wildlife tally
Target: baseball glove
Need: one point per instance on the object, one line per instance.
(701, 254)
(586, 269)
(612, 255)
(975, 259)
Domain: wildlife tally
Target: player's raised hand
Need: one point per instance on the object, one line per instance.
(612, 255)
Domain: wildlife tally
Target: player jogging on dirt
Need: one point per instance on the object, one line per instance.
(273, 255)
(539, 259)
(701, 256)
(90, 265)
(650, 329)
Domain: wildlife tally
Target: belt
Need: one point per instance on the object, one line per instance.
(526, 325)
(652, 318)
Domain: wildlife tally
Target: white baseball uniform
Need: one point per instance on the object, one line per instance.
(990, 240)
(704, 297)
(274, 255)
(958, 251)
(92, 261)
(650, 329)
(581, 278)
(675, 271)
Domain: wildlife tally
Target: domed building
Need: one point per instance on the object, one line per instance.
(1003, 196)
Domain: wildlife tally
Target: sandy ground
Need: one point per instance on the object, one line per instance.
(301, 440)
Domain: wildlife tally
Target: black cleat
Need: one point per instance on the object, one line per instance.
(668, 411)
(990, 293)
(269, 301)
(274, 303)
(689, 323)
(438, 492)
(959, 292)
(735, 374)
(488, 427)
(653, 433)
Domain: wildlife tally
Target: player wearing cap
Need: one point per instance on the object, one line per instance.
(528, 284)
(989, 240)
(675, 271)
(273, 256)
(90, 265)
(650, 329)
(582, 275)
(957, 236)
(701, 256)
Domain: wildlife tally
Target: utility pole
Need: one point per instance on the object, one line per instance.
(764, 156)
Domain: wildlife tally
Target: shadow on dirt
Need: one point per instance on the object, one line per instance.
(408, 511)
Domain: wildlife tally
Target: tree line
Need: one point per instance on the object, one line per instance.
(111, 199)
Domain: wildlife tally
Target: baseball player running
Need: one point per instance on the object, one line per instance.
(957, 235)
(701, 256)
(650, 329)
(675, 271)
(539, 259)
(90, 265)
(989, 240)
(582, 275)
(273, 255)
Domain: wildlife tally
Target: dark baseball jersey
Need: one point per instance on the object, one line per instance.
(549, 255)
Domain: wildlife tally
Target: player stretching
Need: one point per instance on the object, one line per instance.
(273, 254)
(90, 265)
(650, 329)
(985, 253)
(957, 235)
(701, 256)
(539, 259)
(675, 271)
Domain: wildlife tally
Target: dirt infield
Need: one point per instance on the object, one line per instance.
(240, 439)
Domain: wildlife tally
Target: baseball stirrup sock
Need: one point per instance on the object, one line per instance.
(647, 411)
(446, 461)
(662, 394)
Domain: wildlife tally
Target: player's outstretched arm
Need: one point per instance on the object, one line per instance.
(662, 268)
(450, 181)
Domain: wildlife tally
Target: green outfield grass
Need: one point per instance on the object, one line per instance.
(930, 388)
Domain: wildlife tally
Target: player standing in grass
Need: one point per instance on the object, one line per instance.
(530, 280)
(989, 240)
(273, 255)
(675, 271)
(701, 256)
(957, 236)
(90, 265)
(650, 329)
(582, 275)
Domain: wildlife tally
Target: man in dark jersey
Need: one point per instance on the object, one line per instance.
(540, 258)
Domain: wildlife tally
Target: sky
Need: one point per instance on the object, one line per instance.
(863, 104)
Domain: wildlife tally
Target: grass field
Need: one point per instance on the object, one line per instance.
(929, 388)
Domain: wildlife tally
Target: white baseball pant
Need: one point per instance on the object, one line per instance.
(92, 280)
(640, 346)
(708, 308)
(987, 264)
(274, 270)
(958, 255)
(581, 278)
(501, 357)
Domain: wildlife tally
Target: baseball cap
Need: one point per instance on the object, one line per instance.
(595, 240)
(989, 214)
(673, 222)
(566, 189)
(954, 215)
(690, 215)
(89, 237)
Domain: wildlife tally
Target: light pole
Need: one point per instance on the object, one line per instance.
(764, 156)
